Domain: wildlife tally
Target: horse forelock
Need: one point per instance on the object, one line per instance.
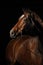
(25, 14)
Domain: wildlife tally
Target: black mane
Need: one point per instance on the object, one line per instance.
(36, 29)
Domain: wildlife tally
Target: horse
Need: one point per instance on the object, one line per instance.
(25, 48)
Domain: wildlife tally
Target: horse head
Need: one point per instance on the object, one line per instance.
(28, 20)
(23, 21)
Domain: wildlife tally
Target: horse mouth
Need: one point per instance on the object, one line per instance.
(17, 34)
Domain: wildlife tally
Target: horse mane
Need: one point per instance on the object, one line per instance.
(36, 19)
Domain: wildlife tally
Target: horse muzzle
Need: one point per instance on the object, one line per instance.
(12, 34)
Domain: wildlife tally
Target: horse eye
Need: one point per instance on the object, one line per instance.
(27, 20)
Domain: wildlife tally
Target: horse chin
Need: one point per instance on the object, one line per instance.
(18, 34)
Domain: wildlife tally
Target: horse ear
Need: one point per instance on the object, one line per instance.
(26, 10)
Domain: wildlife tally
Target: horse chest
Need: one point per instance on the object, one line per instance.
(25, 51)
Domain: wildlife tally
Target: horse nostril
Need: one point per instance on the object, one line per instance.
(12, 32)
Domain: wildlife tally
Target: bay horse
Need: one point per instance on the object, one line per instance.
(25, 48)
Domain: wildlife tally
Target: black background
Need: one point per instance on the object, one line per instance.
(9, 17)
